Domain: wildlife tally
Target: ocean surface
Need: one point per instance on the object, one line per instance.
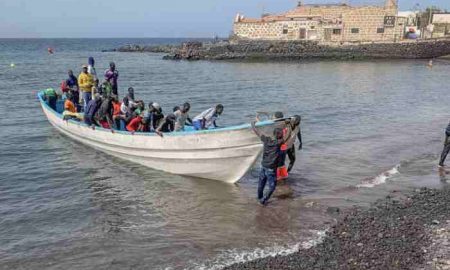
(370, 128)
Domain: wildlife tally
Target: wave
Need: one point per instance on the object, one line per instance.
(234, 256)
(379, 179)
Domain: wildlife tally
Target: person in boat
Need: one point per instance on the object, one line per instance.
(105, 113)
(70, 110)
(92, 71)
(182, 116)
(153, 116)
(128, 101)
(207, 118)
(71, 86)
(270, 161)
(50, 96)
(136, 124)
(112, 75)
(86, 83)
(105, 89)
(446, 147)
(91, 110)
(116, 111)
(166, 125)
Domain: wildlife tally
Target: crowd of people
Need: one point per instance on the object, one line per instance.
(98, 104)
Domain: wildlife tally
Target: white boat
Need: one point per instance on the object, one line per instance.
(223, 154)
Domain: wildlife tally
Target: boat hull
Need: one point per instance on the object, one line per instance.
(223, 154)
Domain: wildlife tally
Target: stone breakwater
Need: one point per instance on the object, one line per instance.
(407, 233)
(298, 50)
(171, 49)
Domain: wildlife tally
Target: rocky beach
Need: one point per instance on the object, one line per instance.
(398, 232)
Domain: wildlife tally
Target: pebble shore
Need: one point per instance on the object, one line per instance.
(408, 233)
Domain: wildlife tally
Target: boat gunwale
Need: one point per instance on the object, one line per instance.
(152, 134)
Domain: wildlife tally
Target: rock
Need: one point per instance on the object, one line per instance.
(309, 204)
(301, 50)
(387, 236)
(333, 210)
(435, 222)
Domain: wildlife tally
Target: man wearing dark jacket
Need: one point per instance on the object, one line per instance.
(271, 158)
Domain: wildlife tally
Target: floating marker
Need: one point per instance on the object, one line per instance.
(12, 65)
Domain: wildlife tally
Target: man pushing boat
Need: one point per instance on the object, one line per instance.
(270, 160)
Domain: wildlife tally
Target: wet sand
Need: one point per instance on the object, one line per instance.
(402, 231)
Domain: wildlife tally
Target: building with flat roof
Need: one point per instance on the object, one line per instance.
(326, 23)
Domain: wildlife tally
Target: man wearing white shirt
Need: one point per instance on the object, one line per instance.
(207, 118)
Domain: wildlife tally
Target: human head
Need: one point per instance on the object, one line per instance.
(131, 92)
(278, 115)
(219, 109)
(156, 106)
(85, 69)
(70, 72)
(296, 119)
(112, 66)
(176, 108)
(91, 61)
(278, 133)
(186, 107)
(114, 98)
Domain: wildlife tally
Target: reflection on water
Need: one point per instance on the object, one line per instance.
(65, 205)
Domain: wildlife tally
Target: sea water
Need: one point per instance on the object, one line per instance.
(369, 128)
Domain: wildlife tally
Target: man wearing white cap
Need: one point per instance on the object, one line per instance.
(85, 83)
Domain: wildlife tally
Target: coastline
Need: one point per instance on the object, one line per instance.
(409, 231)
(269, 50)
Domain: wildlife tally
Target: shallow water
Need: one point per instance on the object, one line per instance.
(369, 128)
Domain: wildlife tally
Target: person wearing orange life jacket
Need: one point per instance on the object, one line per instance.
(282, 172)
(288, 148)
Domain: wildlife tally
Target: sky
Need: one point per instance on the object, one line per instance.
(143, 18)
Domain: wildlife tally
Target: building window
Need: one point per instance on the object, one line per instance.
(380, 30)
(336, 31)
(355, 30)
(313, 27)
(285, 31)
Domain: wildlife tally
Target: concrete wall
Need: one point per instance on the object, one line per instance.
(366, 20)
(278, 30)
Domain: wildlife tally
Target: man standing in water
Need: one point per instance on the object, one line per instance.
(270, 161)
(446, 146)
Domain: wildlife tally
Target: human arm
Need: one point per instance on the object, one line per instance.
(159, 129)
(299, 136)
(258, 114)
(257, 132)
